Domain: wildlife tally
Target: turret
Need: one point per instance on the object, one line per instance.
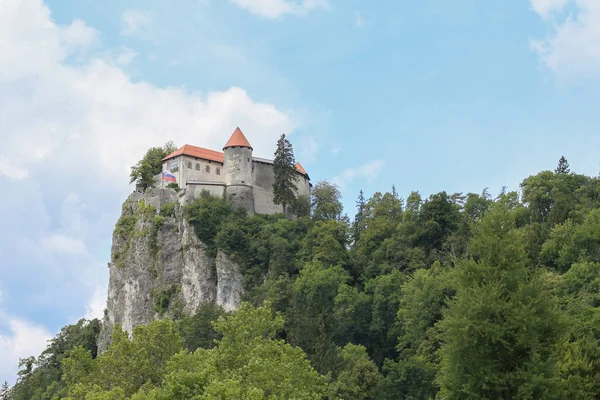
(237, 168)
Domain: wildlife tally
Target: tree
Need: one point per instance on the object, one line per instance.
(40, 378)
(127, 365)
(499, 331)
(358, 218)
(325, 202)
(147, 168)
(359, 376)
(249, 362)
(4, 391)
(284, 169)
(563, 166)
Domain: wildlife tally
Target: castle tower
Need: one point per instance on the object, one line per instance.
(237, 168)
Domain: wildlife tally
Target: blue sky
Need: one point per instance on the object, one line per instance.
(429, 96)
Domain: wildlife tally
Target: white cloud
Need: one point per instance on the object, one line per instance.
(18, 339)
(12, 171)
(359, 20)
(546, 7)
(97, 304)
(101, 121)
(61, 243)
(126, 56)
(276, 8)
(368, 171)
(136, 23)
(572, 50)
(78, 35)
(70, 132)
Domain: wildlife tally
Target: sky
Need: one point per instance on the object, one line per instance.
(428, 96)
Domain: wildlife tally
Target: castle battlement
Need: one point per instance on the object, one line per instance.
(234, 173)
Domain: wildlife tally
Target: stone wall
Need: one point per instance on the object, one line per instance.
(236, 171)
(194, 190)
(263, 179)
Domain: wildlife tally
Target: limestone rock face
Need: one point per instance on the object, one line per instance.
(159, 267)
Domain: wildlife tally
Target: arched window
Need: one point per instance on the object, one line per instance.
(218, 171)
(197, 166)
(207, 169)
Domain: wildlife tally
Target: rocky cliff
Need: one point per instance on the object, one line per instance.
(159, 266)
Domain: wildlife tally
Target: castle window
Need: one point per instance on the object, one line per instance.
(197, 166)
(188, 164)
(207, 169)
(218, 171)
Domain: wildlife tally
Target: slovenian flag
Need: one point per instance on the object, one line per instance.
(168, 176)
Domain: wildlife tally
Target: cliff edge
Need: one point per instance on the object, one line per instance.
(159, 267)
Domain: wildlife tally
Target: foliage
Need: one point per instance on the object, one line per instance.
(563, 166)
(197, 330)
(205, 215)
(163, 298)
(41, 378)
(284, 169)
(499, 330)
(326, 201)
(174, 186)
(127, 365)
(449, 296)
(150, 165)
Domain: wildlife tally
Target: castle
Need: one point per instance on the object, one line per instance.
(244, 180)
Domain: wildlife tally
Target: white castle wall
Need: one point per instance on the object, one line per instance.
(250, 182)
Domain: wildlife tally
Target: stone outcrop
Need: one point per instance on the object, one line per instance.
(159, 267)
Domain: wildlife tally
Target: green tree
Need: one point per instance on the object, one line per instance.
(197, 330)
(247, 363)
(150, 165)
(325, 201)
(499, 331)
(358, 218)
(358, 378)
(41, 378)
(284, 169)
(579, 350)
(127, 365)
(563, 166)
(5, 391)
(311, 319)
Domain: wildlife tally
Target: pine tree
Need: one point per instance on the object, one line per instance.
(284, 169)
(4, 391)
(563, 166)
(360, 213)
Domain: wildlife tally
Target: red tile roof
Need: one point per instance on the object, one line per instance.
(237, 139)
(301, 169)
(199, 152)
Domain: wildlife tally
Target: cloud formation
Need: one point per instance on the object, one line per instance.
(274, 9)
(366, 171)
(572, 50)
(18, 339)
(136, 23)
(69, 134)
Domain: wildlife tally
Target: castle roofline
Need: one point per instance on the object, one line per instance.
(301, 169)
(198, 152)
(237, 139)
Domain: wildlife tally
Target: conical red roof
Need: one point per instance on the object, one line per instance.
(237, 139)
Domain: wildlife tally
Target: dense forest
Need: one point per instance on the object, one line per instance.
(453, 296)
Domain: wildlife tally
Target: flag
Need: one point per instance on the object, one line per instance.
(168, 176)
